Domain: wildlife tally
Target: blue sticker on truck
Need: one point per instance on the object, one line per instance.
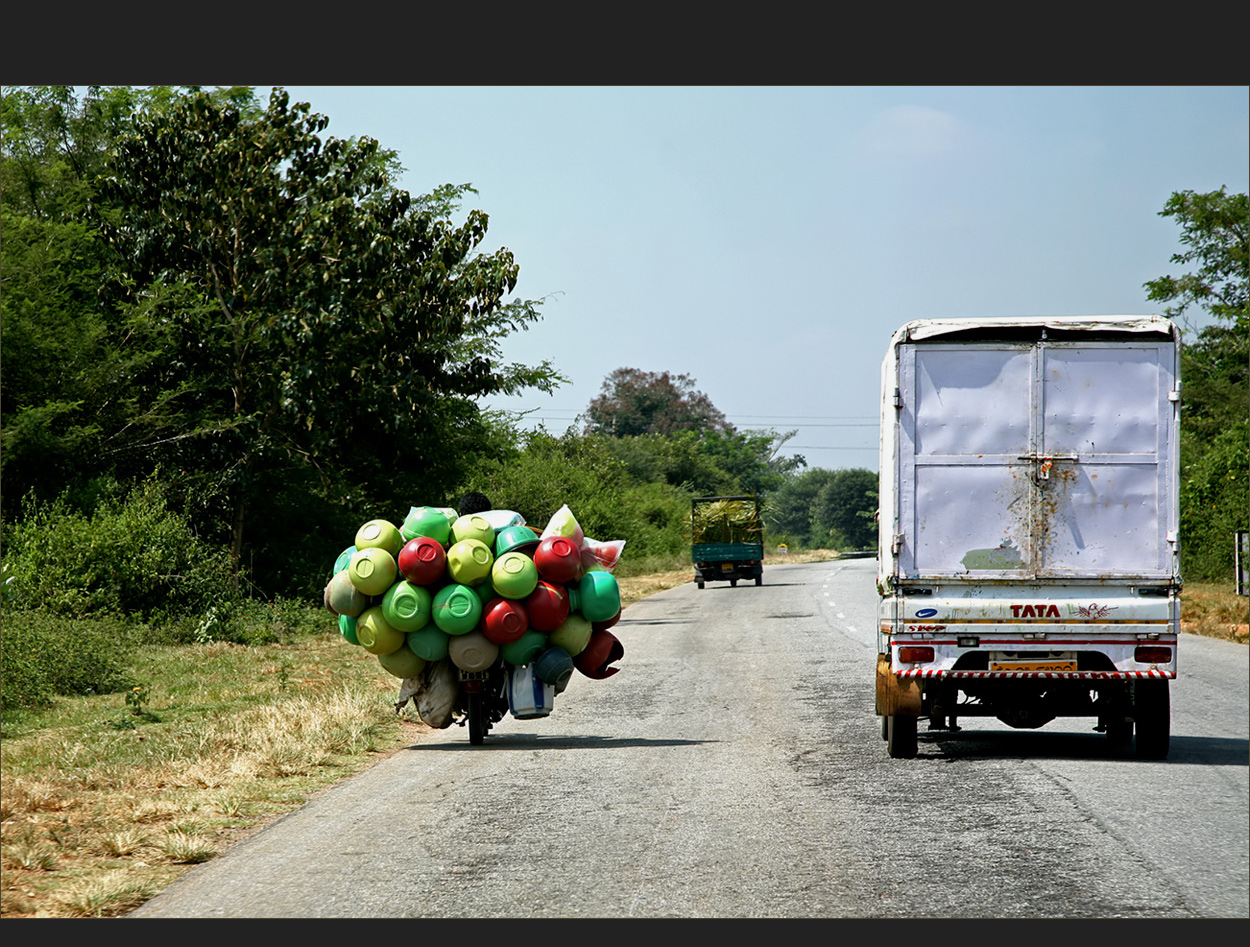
(926, 612)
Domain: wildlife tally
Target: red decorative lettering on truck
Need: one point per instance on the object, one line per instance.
(1042, 610)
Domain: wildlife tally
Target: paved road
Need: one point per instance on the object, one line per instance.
(734, 768)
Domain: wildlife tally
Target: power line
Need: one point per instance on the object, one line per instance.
(560, 413)
(815, 417)
(863, 423)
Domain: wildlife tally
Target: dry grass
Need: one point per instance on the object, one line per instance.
(1216, 611)
(97, 820)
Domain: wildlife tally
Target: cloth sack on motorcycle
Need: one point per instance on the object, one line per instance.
(433, 692)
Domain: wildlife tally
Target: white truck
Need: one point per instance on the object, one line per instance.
(1028, 563)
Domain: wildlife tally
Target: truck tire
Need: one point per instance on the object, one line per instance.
(900, 739)
(1119, 735)
(699, 583)
(1152, 710)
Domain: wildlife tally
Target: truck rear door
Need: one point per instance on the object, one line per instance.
(1037, 460)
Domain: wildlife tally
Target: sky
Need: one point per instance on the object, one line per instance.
(766, 241)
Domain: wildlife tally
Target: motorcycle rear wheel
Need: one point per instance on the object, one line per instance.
(478, 724)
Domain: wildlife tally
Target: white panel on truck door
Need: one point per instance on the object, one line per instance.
(953, 536)
(1102, 505)
(964, 426)
(971, 401)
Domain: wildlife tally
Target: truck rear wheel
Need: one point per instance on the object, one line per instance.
(1119, 735)
(900, 738)
(1152, 710)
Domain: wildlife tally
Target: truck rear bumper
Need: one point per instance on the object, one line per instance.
(1140, 652)
(1049, 675)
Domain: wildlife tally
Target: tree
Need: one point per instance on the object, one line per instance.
(633, 402)
(710, 463)
(322, 327)
(1215, 227)
(843, 510)
(790, 508)
(750, 458)
(60, 343)
(678, 460)
(1215, 368)
(55, 143)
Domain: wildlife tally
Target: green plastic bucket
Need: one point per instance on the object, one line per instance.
(347, 628)
(407, 607)
(429, 643)
(514, 575)
(525, 649)
(486, 591)
(456, 609)
(426, 521)
(344, 558)
(599, 595)
(469, 561)
(573, 635)
(372, 570)
(379, 534)
(402, 663)
(515, 537)
(374, 633)
(472, 526)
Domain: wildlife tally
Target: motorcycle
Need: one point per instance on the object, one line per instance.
(483, 700)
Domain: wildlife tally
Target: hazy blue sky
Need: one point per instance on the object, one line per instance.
(767, 241)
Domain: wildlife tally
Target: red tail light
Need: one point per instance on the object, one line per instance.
(1152, 654)
(916, 654)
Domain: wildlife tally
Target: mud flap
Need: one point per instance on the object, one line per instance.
(895, 696)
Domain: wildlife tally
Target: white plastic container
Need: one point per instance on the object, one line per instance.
(528, 695)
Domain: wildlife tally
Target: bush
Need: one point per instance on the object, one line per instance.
(609, 503)
(1213, 491)
(46, 656)
(130, 555)
(251, 622)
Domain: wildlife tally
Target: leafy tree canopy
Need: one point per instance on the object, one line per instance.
(844, 508)
(664, 427)
(277, 320)
(789, 509)
(1215, 368)
(633, 402)
(1214, 228)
